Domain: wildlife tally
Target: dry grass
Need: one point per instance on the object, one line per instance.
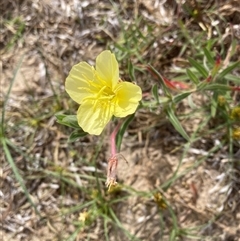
(64, 179)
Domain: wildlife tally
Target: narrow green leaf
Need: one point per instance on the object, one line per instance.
(173, 235)
(214, 104)
(160, 79)
(60, 116)
(199, 67)
(183, 49)
(233, 78)
(233, 47)
(155, 92)
(177, 98)
(175, 122)
(228, 70)
(202, 85)
(209, 56)
(7, 95)
(120, 225)
(68, 120)
(18, 175)
(76, 134)
(217, 87)
(211, 42)
(5, 146)
(122, 130)
(74, 235)
(131, 71)
(192, 77)
(182, 78)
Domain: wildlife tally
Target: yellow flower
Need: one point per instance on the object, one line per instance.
(236, 134)
(101, 93)
(159, 200)
(235, 113)
(83, 216)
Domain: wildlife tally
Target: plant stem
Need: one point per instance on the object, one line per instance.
(113, 140)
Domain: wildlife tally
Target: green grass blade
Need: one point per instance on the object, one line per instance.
(199, 67)
(122, 130)
(217, 87)
(192, 77)
(131, 71)
(175, 122)
(155, 93)
(209, 56)
(106, 229)
(74, 235)
(180, 97)
(17, 174)
(119, 224)
(160, 79)
(228, 70)
(8, 93)
(5, 147)
(233, 78)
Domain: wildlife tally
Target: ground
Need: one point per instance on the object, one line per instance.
(169, 189)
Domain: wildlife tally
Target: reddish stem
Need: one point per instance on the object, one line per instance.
(236, 88)
(113, 140)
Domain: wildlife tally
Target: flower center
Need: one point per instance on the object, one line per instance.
(103, 97)
(105, 93)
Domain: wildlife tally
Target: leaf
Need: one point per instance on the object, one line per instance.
(60, 116)
(18, 175)
(214, 104)
(131, 71)
(159, 78)
(6, 150)
(76, 134)
(179, 97)
(74, 235)
(228, 70)
(202, 85)
(217, 87)
(122, 130)
(232, 49)
(155, 92)
(68, 120)
(175, 122)
(8, 94)
(233, 78)
(173, 235)
(192, 77)
(211, 42)
(199, 67)
(209, 56)
(183, 78)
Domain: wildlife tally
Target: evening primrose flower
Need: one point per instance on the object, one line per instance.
(101, 93)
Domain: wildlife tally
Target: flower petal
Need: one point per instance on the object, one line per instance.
(78, 83)
(93, 116)
(127, 97)
(107, 69)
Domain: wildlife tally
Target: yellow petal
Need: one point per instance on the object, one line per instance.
(127, 97)
(94, 115)
(78, 83)
(107, 69)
